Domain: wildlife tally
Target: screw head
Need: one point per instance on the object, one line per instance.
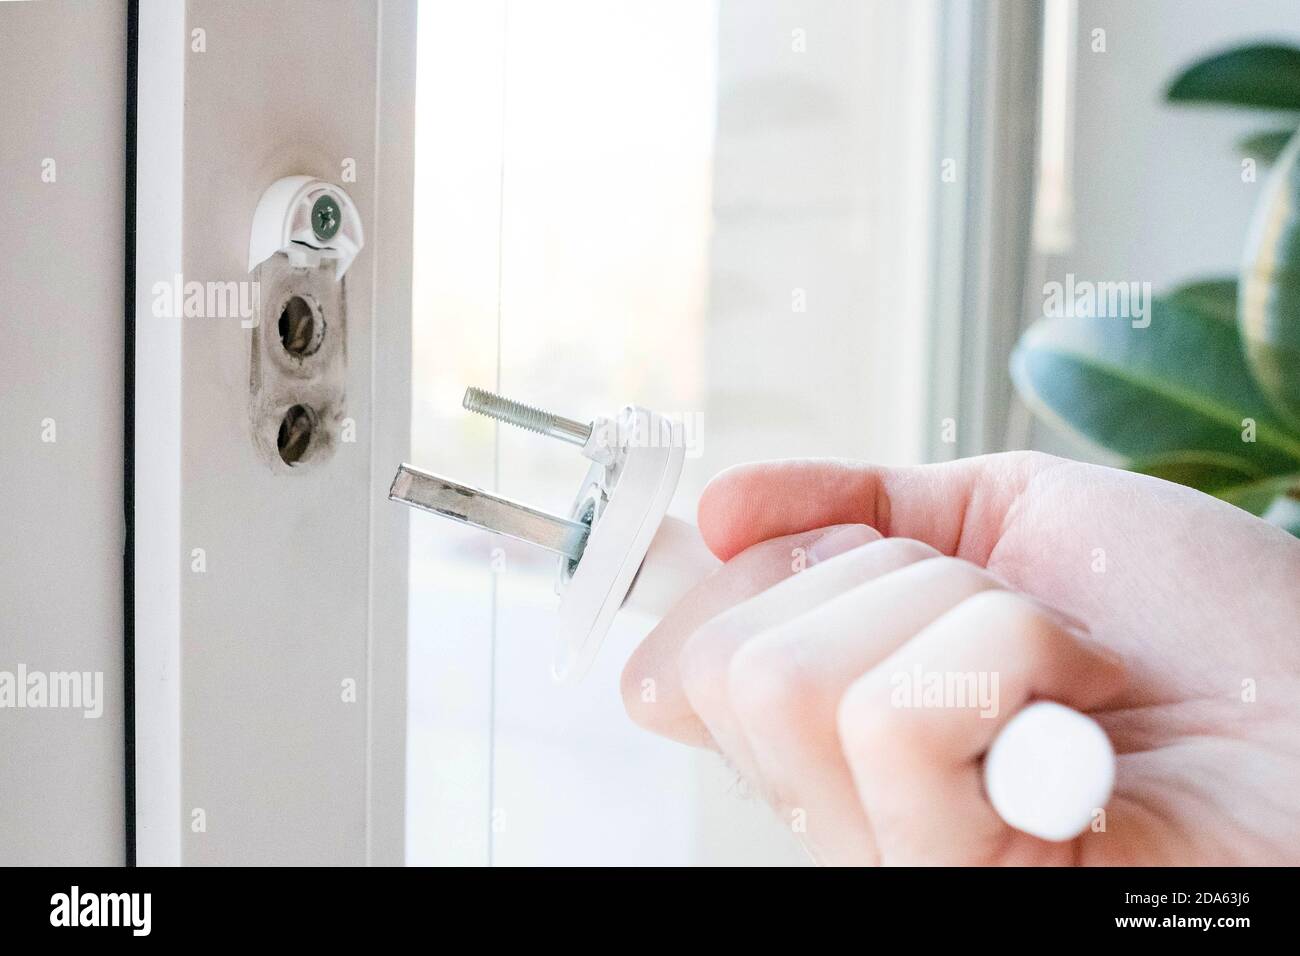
(326, 217)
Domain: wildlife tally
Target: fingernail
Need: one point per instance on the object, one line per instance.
(840, 539)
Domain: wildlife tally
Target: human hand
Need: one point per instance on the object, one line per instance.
(1189, 657)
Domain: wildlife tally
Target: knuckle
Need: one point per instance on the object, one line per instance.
(768, 686)
(704, 657)
(1028, 462)
(1004, 606)
(865, 719)
(1024, 628)
(903, 550)
(960, 576)
(1034, 638)
(632, 686)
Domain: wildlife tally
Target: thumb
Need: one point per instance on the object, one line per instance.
(957, 507)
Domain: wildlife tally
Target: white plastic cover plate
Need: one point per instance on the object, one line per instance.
(307, 219)
(640, 484)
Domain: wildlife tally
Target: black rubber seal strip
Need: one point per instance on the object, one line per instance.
(128, 430)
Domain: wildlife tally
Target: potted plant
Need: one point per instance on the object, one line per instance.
(1206, 390)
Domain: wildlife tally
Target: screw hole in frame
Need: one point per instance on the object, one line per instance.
(301, 330)
(295, 435)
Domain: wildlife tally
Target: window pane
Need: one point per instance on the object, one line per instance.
(718, 213)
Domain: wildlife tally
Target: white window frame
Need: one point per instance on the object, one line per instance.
(239, 723)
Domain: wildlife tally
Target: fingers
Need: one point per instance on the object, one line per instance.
(784, 685)
(652, 685)
(957, 507)
(795, 676)
(915, 727)
(707, 656)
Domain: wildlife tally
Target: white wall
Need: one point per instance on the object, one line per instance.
(1159, 195)
(62, 98)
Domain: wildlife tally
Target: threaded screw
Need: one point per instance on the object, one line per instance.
(526, 416)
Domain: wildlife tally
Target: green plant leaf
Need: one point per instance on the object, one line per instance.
(1178, 385)
(1216, 298)
(1270, 287)
(1265, 147)
(1265, 75)
(1224, 476)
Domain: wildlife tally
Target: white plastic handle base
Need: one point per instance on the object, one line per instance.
(638, 485)
(678, 560)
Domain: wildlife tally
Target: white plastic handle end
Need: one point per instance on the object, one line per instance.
(1050, 771)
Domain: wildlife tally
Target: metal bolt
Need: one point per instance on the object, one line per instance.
(526, 416)
(325, 217)
(482, 509)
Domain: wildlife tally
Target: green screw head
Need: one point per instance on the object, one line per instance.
(325, 217)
